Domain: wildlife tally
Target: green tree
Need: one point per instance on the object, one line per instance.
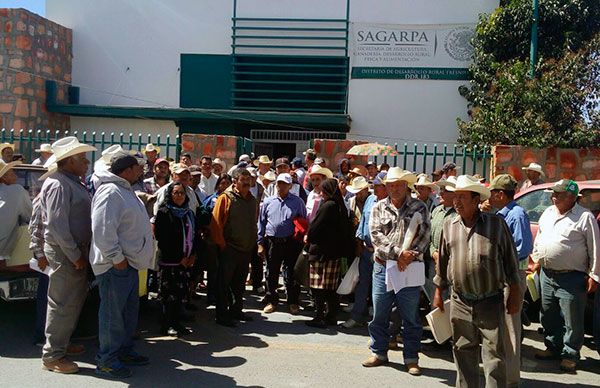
(560, 106)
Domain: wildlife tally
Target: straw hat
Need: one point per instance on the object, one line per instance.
(3, 146)
(4, 167)
(263, 159)
(534, 167)
(396, 174)
(151, 147)
(69, 146)
(423, 180)
(44, 148)
(358, 184)
(359, 170)
(469, 183)
(316, 169)
(270, 176)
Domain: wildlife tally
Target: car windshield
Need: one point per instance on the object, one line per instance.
(29, 179)
(534, 203)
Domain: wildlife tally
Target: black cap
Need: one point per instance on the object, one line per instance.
(121, 162)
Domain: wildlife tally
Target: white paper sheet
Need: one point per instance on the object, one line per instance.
(439, 322)
(33, 264)
(412, 276)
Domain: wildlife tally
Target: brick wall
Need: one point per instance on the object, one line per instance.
(217, 146)
(557, 163)
(32, 50)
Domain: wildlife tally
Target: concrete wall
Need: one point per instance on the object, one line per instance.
(127, 53)
(217, 146)
(32, 50)
(557, 163)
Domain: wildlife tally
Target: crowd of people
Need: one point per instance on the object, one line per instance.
(209, 228)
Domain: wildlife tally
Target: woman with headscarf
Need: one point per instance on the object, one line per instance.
(175, 232)
(329, 236)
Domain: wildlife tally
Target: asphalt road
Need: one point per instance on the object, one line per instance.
(277, 350)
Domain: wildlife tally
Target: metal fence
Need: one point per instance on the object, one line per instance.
(27, 141)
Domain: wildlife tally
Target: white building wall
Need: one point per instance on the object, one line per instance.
(127, 52)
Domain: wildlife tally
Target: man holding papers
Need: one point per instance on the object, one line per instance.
(389, 227)
(477, 258)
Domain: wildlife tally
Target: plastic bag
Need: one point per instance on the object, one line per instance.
(350, 280)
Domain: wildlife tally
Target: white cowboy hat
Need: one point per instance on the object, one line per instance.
(469, 183)
(51, 170)
(244, 158)
(358, 184)
(51, 160)
(263, 159)
(270, 176)
(151, 147)
(44, 148)
(219, 162)
(4, 167)
(3, 146)
(69, 146)
(316, 169)
(397, 174)
(445, 182)
(423, 180)
(534, 167)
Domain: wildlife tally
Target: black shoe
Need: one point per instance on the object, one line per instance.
(191, 307)
(134, 359)
(225, 322)
(242, 317)
(317, 322)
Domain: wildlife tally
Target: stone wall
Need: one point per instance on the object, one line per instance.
(335, 150)
(557, 163)
(32, 50)
(217, 146)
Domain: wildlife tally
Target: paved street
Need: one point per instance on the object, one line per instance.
(274, 351)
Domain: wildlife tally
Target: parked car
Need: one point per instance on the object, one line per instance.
(535, 200)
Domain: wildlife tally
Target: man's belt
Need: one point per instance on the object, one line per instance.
(475, 299)
(559, 271)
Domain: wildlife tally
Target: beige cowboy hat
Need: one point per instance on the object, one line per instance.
(4, 167)
(316, 169)
(469, 183)
(108, 153)
(445, 182)
(534, 167)
(358, 184)
(3, 146)
(359, 170)
(44, 148)
(423, 180)
(69, 146)
(263, 159)
(396, 174)
(151, 147)
(269, 176)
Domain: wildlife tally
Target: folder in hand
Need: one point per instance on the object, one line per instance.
(439, 322)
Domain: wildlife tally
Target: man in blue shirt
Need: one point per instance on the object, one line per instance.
(503, 189)
(277, 244)
(365, 248)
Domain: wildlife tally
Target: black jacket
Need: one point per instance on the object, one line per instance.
(168, 231)
(329, 234)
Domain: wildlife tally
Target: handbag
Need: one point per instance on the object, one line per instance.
(302, 268)
(350, 280)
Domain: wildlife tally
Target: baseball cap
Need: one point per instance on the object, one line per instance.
(178, 168)
(121, 162)
(297, 162)
(309, 151)
(160, 160)
(244, 158)
(564, 185)
(285, 177)
(195, 170)
(380, 178)
(281, 161)
(503, 182)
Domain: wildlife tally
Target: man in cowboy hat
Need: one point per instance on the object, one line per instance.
(425, 191)
(122, 244)
(534, 174)
(276, 242)
(359, 189)
(151, 152)
(66, 213)
(6, 152)
(477, 258)
(503, 188)
(567, 249)
(264, 164)
(317, 176)
(15, 209)
(388, 225)
(45, 152)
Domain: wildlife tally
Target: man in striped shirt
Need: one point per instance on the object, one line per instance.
(477, 258)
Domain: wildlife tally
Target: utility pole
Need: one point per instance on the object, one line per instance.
(534, 39)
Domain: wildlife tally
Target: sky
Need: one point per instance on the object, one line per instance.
(35, 6)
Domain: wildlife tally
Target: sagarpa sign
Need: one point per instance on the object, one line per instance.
(440, 51)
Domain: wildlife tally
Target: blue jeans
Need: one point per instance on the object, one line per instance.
(597, 320)
(407, 303)
(41, 307)
(360, 311)
(563, 310)
(118, 314)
